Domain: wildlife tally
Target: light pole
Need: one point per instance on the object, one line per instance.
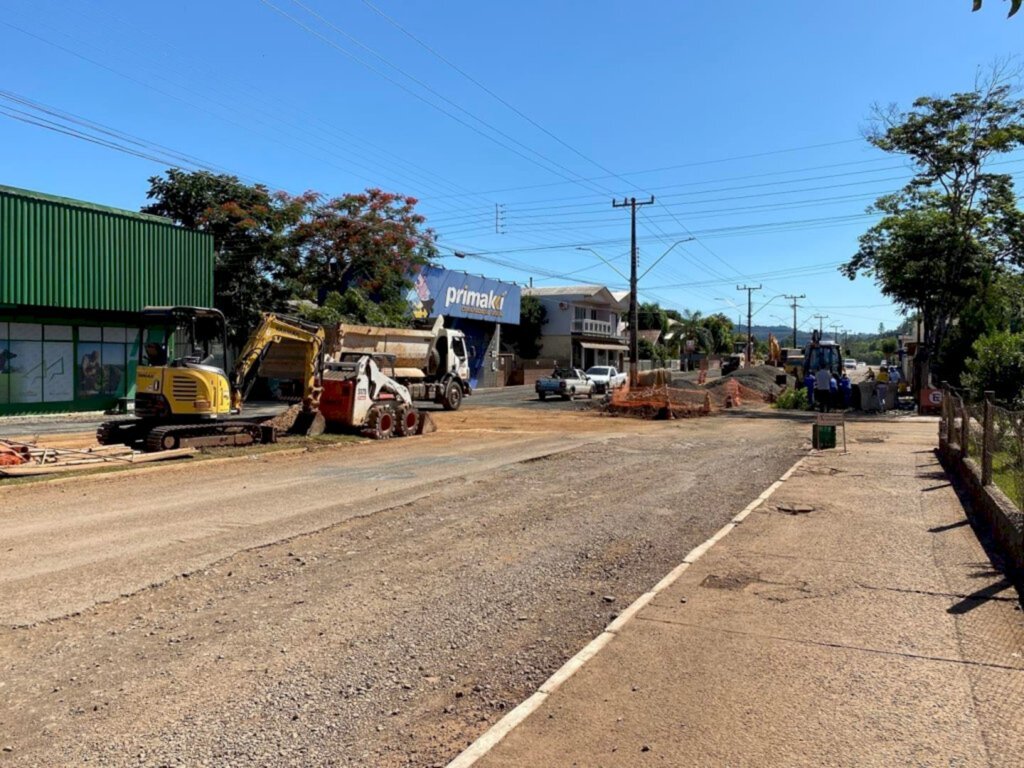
(634, 317)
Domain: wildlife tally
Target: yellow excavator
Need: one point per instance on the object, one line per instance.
(183, 395)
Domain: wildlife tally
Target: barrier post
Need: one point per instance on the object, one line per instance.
(986, 440)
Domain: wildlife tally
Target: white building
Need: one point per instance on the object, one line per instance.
(585, 325)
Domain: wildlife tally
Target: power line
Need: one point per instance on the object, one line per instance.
(688, 165)
(425, 86)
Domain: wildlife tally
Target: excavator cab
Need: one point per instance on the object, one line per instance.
(182, 363)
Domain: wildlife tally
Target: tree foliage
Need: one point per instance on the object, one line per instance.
(525, 339)
(350, 255)
(1014, 6)
(250, 227)
(943, 238)
(998, 366)
(366, 243)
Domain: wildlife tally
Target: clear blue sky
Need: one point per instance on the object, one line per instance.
(744, 119)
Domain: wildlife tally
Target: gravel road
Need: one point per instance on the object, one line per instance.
(395, 622)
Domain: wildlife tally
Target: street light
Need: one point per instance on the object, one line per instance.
(602, 258)
(633, 280)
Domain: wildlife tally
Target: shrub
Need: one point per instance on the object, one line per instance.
(997, 365)
(793, 399)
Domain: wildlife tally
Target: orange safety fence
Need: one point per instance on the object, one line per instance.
(665, 402)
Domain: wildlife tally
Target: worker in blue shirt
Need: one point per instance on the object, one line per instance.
(846, 387)
(809, 386)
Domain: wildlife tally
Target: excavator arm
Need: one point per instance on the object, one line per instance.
(272, 330)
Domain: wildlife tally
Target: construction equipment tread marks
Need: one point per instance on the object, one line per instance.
(173, 436)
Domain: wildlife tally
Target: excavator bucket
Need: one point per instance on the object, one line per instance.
(308, 423)
(425, 425)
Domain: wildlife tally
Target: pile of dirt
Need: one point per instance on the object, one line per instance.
(295, 421)
(659, 402)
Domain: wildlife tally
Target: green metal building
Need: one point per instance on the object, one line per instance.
(73, 277)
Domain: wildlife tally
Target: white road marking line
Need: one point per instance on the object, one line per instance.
(493, 735)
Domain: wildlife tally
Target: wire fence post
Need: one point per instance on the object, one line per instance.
(965, 428)
(987, 440)
(947, 417)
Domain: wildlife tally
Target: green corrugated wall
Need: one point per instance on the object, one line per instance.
(56, 252)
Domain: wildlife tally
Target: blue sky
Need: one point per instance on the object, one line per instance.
(743, 119)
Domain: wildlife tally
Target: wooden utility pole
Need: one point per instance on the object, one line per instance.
(794, 299)
(750, 312)
(634, 315)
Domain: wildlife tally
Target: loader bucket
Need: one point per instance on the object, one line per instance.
(425, 425)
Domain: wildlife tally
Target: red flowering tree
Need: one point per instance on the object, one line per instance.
(355, 252)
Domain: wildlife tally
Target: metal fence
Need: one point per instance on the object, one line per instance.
(989, 434)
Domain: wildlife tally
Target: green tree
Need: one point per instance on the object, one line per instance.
(651, 317)
(943, 238)
(250, 227)
(998, 365)
(721, 329)
(525, 339)
(1014, 6)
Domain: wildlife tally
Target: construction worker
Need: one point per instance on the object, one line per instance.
(846, 388)
(809, 386)
(882, 388)
(822, 391)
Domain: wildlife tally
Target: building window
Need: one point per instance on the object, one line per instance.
(580, 313)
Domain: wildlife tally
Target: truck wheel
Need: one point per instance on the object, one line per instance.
(380, 423)
(452, 397)
(542, 395)
(590, 394)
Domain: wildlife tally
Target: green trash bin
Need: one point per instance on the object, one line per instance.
(823, 436)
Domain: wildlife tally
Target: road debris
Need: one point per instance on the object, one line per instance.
(19, 459)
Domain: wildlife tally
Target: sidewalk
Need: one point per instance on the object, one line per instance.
(871, 630)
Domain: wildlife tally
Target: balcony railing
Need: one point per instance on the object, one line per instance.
(593, 327)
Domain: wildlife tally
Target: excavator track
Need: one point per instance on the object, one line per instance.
(173, 436)
(118, 433)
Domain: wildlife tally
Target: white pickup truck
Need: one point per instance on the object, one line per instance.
(605, 378)
(565, 383)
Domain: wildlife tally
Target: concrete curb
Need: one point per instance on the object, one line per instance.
(493, 735)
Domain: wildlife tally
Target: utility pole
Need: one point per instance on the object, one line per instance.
(835, 330)
(750, 311)
(794, 300)
(819, 318)
(634, 316)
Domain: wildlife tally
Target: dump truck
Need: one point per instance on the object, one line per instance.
(431, 363)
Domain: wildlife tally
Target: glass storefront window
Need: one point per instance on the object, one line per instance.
(5, 377)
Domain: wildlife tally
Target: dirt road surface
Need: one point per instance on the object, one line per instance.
(375, 604)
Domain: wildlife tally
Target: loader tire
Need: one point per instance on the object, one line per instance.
(407, 421)
(380, 423)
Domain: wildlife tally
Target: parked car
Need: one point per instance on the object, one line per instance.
(605, 378)
(566, 383)
(850, 364)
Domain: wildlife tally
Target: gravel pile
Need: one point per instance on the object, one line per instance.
(759, 378)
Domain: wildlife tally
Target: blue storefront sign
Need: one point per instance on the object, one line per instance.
(439, 291)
